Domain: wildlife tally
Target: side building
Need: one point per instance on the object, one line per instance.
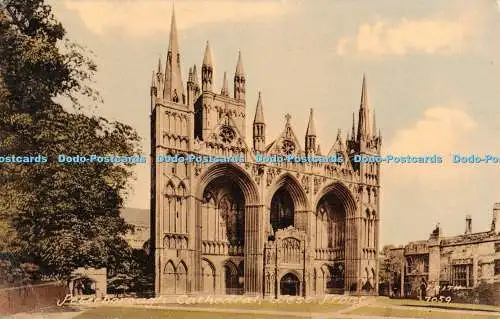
(460, 262)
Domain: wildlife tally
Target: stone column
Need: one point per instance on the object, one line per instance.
(434, 265)
(254, 249)
(352, 260)
(196, 239)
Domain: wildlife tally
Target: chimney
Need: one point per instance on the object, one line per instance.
(468, 224)
(495, 224)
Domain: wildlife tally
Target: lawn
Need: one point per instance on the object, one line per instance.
(424, 313)
(315, 306)
(134, 313)
(439, 305)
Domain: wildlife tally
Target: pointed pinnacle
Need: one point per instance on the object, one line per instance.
(259, 111)
(224, 90)
(364, 100)
(195, 75)
(311, 129)
(239, 65)
(159, 64)
(374, 124)
(173, 45)
(353, 125)
(207, 59)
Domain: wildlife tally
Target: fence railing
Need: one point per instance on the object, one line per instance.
(31, 297)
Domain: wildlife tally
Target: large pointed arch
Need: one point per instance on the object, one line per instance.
(342, 193)
(293, 187)
(234, 173)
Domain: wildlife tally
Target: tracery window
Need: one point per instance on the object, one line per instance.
(233, 219)
(288, 147)
(282, 210)
(226, 134)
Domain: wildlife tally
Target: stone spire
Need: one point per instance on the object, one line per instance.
(195, 75)
(207, 58)
(353, 129)
(311, 128)
(364, 128)
(259, 127)
(239, 66)
(159, 65)
(174, 89)
(207, 70)
(239, 79)
(154, 89)
(225, 89)
(259, 111)
(311, 134)
(153, 81)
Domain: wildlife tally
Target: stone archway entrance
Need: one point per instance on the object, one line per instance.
(289, 285)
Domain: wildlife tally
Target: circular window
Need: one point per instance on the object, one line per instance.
(288, 147)
(226, 134)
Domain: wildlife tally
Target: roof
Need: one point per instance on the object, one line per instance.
(136, 216)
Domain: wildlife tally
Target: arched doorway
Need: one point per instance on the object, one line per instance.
(289, 285)
(226, 195)
(334, 206)
(83, 286)
(234, 284)
(207, 277)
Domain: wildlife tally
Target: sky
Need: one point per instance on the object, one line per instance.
(432, 69)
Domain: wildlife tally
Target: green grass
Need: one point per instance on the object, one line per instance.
(440, 305)
(314, 306)
(135, 313)
(424, 313)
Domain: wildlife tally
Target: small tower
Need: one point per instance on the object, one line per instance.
(239, 80)
(259, 127)
(311, 135)
(207, 71)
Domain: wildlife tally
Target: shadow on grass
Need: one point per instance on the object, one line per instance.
(449, 308)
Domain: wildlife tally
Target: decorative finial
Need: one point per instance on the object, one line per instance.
(288, 117)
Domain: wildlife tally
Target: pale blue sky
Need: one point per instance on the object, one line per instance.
(433, 72)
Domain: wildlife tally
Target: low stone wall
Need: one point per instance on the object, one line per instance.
(31, 297)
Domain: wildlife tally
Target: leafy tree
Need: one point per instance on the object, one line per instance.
(390, 267)
(59, 216)
(134, 274)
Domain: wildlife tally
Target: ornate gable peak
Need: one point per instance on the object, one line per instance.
(338, 146)
(287, 142)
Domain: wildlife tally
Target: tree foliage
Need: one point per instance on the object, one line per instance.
(390, 267)
(59, 216)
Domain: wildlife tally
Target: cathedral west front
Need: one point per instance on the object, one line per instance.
(259, 228)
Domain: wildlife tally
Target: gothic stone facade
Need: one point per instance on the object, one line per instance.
(265, 229)
(461, 261)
